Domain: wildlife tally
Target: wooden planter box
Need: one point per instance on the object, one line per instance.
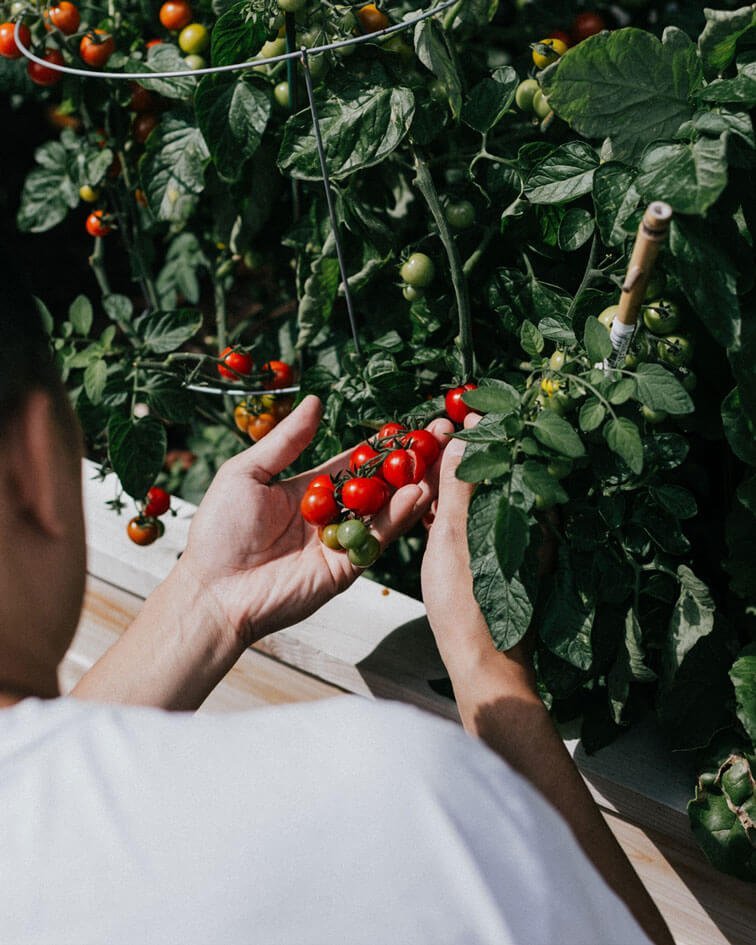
(390, 653)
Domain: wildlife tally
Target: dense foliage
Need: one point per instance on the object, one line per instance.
(482, 240)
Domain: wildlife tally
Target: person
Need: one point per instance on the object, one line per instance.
(127, 819)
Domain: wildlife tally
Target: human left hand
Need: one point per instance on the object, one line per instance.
(251, 551)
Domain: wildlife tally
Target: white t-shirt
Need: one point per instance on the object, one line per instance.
(342, 821)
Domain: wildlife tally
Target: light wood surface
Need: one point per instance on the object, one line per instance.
(701, 906)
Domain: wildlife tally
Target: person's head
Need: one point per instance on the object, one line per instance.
(42, 550)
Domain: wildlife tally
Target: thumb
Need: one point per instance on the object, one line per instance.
(285, 442)
(453, 494)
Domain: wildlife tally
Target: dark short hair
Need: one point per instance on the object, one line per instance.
(26, 359)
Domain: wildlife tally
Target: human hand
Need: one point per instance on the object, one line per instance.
(251, 551)
(460, 629)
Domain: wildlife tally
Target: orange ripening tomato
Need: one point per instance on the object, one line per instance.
(96, 225)
(63, 16)
(371, 19)
(96, 50)
(176, 14)
(260, 425)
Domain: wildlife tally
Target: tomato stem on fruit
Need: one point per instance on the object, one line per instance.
(425, 185)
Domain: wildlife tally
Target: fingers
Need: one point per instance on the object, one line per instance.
(284, 443)
(453, 494)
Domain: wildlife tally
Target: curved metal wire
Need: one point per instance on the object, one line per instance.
(249, 64)
(230, 392)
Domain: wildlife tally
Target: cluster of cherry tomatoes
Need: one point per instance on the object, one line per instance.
(146, 527)
(395, 457)
(256, 416)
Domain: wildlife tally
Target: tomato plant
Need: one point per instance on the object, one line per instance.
(223, 242)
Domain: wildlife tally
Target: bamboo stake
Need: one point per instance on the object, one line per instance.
(652, 232)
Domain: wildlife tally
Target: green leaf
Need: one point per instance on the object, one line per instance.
(615, 199)
(596, 340)
(739, 430)
(165, 58)
(676, 500)
(746, 493)
(169, 400)
(743, 677)
(316, 304)
(501, 398)
(232, 116)
(505, 604)
(568, 618)
(490, 100)
(540, 480)
(625, 85)
(172, 169)
(531, 339)
(567, 173)
(48, 323)
(689, 177)
(721, 835)
(162, 332)
(48, 193)
(558, 435)
(629, 666)
(719, 39)
(136, 450)
(118, 308)
(623, 438)
(591, 415)
(432, 49)
(361, 122)
(487, 463)
(575, 229)
(95, 376)
(238, 34)
(740, 91)
(511, 537)
(692, 619)
(621, 391)
(659, 389)
(80, 314)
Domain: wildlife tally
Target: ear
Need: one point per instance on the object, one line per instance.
(40, 466)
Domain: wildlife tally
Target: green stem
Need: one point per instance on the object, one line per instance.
(148, 286)
(97, 263)
(588, 275)
(425, 185)
(596, 394)
(221, 311)
(472, 261)
(451, 14)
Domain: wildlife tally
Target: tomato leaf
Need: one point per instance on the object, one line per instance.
(575, 229)
(558, 435)
(490, 100)
(615, 199)
(232, 116)
(539, 479)
(719, 39)
(162, 332)
(488, 463)
(623, 438)
(625, 85)
(165, 58)
(172, 169)
(658, 389)
(361, 122)
(591, 415)
(676, 500)
(505, 603)
(511, 537)
(568, 618)
(238, 34)
(689, 177)
(738, 429)
(596, 340)
(629, 666)
(95, 376)
(81, 315)
(499, 398)
(564, 175)
(433, 50)
(743, 676)
(136, 449)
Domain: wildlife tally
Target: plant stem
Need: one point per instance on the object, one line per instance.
(221, 311)
(451, 14)
(427, 188)
(144, 276)
(472, 261)
(97, 263)
(596, 394)
(588, 274)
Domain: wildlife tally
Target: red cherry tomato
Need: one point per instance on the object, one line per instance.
(424, 443)
(587, 24)
(8, 47)
(318, 507)
(176, 14)
(283, 375)
(561, 36)
(322, 481)
(389, 435)
(456, 409)
(360, 455)
(142, 530)
(403, 467)
(96, 50)
(364, 496)
(143, 126)
(96, 225)
(153, 42)
(141, 99)
(41, 75)
(239, 362)
(158, 502)
(64, 16)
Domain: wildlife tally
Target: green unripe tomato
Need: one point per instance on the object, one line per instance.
(330, 537)
(542, 503)
(193, 39)
(353, 534)
(559, 403)
(653, 416)
(17, 8)
(541, 107)
(557, 360)
(367, 554)
(689, 381)
(343, 52)
(438, 91)
(640, 350)
(274, 47)
(292, 6)
(608, 315)
(460, 215)
(396, 45)
(655, 287)
(525, 93)
(88, 194)
(418, 271)
(559, 467)
(281, 94)
(318, 65)
(662, 317)
(675, 350)
(194, 61)
(412, 294)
